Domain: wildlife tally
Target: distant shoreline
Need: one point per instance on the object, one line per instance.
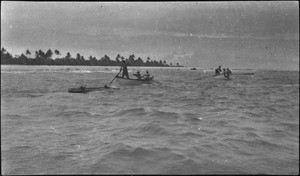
(54, 58)
(182, 67)
(99, 65)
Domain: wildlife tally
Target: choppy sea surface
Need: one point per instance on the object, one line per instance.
(177, 125)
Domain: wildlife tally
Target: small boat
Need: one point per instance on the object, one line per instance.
(193, 68)
(125, 81)
(221, 76)
(83, 89)
(246, 73)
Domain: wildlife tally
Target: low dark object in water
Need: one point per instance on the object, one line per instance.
(83, 89)
(247, 73)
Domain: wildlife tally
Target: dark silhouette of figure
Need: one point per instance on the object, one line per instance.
(218, 70)
(138, 75)
(124, 68)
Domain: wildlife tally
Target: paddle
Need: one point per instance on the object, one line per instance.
(107, 86)
(156, 82)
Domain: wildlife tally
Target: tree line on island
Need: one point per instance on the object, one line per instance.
(42, 58)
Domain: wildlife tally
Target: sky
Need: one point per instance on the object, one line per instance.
(255, 34)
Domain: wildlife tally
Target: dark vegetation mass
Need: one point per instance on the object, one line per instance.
(42, 58)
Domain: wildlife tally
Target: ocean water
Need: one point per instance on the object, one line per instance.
(179, 124)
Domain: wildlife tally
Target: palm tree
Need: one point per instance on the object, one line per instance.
(3, 50)
(36, 54)
(28, 52)
(68, 56)
(39, 57)
(91, 60)
(6, 57)
(57, 60)
(160, 63)
(131, 58)
(140, 61)
(57, 52)
(118, 56)
(82, 58)
(49, 54)
(148, 61)
(78, 57)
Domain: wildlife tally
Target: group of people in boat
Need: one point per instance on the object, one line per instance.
(226, 72)
(137, 74)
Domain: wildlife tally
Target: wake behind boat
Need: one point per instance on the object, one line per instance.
(126, 81)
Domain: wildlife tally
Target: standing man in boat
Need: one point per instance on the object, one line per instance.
(124, 68)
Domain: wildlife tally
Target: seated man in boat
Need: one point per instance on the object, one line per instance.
(218, 70)
(147, 75)
(82, 88)
(224, 70)
(138, 75)
(124, 68)
(227, 73)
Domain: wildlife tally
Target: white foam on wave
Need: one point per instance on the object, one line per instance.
(81, 71)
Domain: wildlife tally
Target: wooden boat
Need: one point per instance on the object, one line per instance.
(125, 81)
(235, 72)
(221, 76)
(243, 73)
(83, 89)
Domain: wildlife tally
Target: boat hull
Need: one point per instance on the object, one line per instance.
(245, 73)
(125, 81)
(221, 76)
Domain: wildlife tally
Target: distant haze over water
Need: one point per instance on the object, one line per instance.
(256, 35)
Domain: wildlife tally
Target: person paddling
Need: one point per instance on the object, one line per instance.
(224, 71)
(147, 75)
(124, 68)
(218, 70)
(227, 73)
(138, 75)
